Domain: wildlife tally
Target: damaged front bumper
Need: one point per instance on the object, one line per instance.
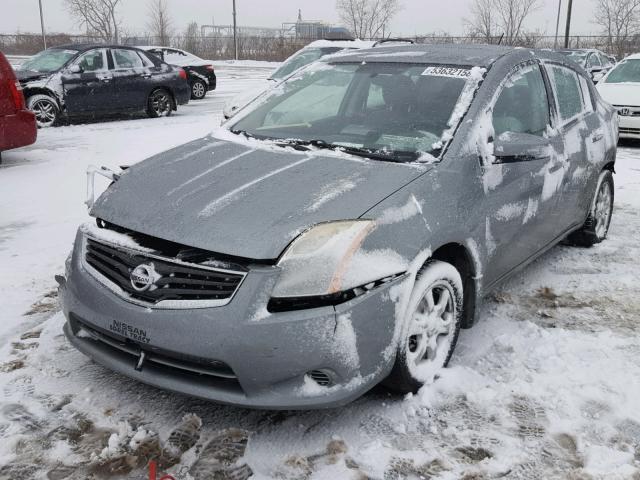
(239, 353)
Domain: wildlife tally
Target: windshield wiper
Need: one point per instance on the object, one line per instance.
(242, 132)
(398, 157)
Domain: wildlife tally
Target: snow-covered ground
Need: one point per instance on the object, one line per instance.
(545, 386)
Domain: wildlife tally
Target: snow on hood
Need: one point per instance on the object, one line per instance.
(30, 75)
(620, 93)
(242, 200)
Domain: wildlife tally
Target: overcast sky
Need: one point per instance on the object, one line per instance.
(417, 16)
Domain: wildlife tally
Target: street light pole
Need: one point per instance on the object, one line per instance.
(568, 27)
(555, 40)
(44, 36)
(235, 34)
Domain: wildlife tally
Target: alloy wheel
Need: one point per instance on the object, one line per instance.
(432, 328)
(161, 104)
(198, 90)
(602, 212)
(45, 112)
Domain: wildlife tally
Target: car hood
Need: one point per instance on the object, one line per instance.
(236, 199)
(29, 75)
(620, 93)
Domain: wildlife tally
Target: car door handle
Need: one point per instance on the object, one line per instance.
(105, 79)
(145, 75)
(597, 137)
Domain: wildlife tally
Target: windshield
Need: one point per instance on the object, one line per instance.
(626, 72)
(578, 57)
(396, 109)
(300, 59)
(50, 60)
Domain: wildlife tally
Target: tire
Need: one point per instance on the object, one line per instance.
(412, 370)
(46, 110)
(596, 227)
(198, 90)
(160, 103)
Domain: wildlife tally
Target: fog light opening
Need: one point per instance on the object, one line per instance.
(321, 377)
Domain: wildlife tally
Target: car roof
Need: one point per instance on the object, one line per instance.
(445, 54)
(81, 47)
(581, 50)
(633, 56)
(158, 47)
(356, 44)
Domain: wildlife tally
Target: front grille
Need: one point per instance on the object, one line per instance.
(635, 131)
(628, 110)
(177, 364)
(174, 281)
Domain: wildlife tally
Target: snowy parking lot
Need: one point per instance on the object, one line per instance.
(546, 385)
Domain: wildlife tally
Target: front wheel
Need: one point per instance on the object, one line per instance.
(431, 327)
(596, 227)
(45, 109)
(198, 90)
(159, 104)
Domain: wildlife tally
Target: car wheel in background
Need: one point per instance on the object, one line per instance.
(45, 108)
(198, 90)
(596, 226)
(431, 327)
(160, 103)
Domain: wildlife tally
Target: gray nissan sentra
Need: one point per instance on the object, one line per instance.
(342, 228)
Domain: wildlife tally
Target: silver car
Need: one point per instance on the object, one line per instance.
(342, 231)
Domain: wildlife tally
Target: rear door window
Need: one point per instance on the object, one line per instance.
(522, 105)
(567, 92)
(126, 58)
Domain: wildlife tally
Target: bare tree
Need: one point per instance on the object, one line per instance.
(368, 18)
(160, 23)
(482, 23)
(191, 42)
(97, 16)
(490, 18)
(620, 22)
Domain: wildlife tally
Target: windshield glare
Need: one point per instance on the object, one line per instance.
(49, 60)
(300, 59)
(394, 108)
(627, 72)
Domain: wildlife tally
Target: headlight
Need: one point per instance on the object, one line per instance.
(327, 259)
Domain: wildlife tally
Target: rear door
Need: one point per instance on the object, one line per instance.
(90, 90)
(132, 79)
(518, 205)
(583, 137)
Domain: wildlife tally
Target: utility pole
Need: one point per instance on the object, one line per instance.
(568, 28)
(44, 36)
(235, 33)
(555, 40)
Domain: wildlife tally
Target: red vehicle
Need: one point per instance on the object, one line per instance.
(17, 124)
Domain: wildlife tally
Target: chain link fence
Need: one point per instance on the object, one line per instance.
(277, 48)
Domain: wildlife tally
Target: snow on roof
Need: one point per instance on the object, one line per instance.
(341, 44)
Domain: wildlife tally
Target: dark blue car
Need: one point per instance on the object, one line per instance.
(92, 80)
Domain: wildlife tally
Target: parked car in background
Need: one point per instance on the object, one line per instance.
(91, 80)
(17, 124)
(621, 88)
(201, 74)
(341, 230)
(594, 61)
(305, 56)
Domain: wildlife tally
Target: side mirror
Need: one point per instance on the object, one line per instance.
(75, 69)
(511, 147)
(595, 69)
